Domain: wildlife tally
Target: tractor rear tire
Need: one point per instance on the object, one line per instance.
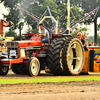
(4, 70)
(49, 56)
(57, 57)
(73, 56)
(33, 67)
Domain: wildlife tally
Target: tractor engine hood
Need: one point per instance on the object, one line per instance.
(28, 43)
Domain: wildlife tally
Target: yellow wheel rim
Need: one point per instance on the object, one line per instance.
(79, 56)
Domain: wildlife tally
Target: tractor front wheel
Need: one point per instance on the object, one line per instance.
(19, 68)
(14, 68)
(33, 67)
(4, 70)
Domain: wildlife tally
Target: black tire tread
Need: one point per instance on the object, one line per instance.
(15, 69)
(49, 55)
(56, 57)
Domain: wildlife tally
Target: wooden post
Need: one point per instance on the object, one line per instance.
(20, 30)
(95, 30)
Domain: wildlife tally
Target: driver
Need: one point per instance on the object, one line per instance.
(44, 35)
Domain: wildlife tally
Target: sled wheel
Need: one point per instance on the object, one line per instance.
(33, 67)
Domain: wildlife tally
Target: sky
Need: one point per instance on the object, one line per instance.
(3, 10)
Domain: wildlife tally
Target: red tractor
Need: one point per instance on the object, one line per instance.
(63, 56)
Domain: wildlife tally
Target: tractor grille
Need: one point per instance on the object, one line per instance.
(12, 44)
(13, 53)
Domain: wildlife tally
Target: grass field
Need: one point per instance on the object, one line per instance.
(49, 80)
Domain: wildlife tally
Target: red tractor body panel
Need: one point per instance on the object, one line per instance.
(34, 45)
(34, 41)
(29, 43)
(9, 62)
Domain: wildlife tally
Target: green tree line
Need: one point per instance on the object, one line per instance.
(58, 7)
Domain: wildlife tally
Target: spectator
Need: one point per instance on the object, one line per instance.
(92, 44)
(97, 44)
(0, 48)
(79, 36)
(59, 31)
(89, 44)
(1, 37)
(83, 36)
(5, 47)
(2, 43)
(86, 43)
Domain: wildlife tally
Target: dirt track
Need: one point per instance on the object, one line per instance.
(51, 91)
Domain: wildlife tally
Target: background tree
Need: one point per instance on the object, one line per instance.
(10, 33)
(37, 8)
(89, 5)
